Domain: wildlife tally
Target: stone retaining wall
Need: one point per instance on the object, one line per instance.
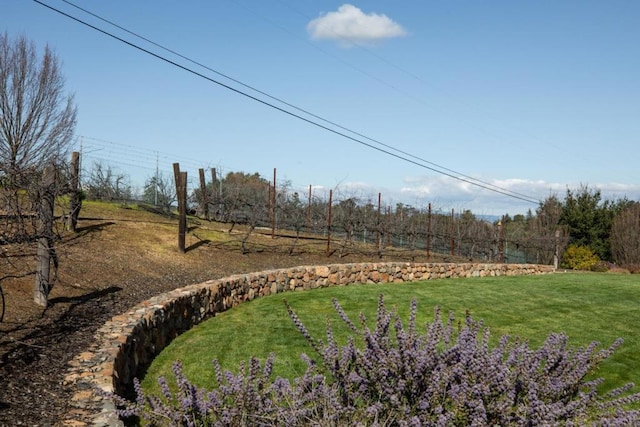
(126, 344)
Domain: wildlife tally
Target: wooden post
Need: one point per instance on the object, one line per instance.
(378, 242)
(453, 240)
(501, 238)
(45, 251)
(176, 176)
(204, 204)
(215, 194)
(387, 221)
(329, 223)
(269, 212)
(75, 200)
(182, 218)
(309, 211)
(273, 206)
(556, 252)
(181, 193)
(429, 232)
(214, 180)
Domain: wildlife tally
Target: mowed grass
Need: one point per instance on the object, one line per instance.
(586, 306)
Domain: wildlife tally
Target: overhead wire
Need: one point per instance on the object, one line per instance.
(436, 168)
(468, 179)
(404, 71)
(299, 108)
(397, 89)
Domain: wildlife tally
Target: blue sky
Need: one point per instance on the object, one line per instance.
(531, 96)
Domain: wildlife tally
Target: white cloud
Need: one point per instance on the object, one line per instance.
(349, 25)
(448, 193)
(445, 193)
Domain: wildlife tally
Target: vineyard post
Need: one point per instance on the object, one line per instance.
(501, 239)
(453, 240)
(214, 192)
(378, 242)
(429, 232)
(203, 191)
(273, 206)
(181, 193)
(387, 226)
(556, 252)
(309, 211)
(182, 205)
(176, 176)
(214, 181)
(75, 200)
(269, 212)
(329, 223)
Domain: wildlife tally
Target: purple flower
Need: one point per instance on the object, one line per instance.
(443, 376)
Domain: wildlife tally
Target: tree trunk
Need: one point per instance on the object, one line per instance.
(45, 251)
(75, 201)
(292, 248)
(245, 239)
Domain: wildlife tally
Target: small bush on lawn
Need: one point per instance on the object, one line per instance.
(580, 258)
(601, 267)
(444, 375)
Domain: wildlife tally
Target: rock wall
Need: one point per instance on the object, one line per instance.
(126, 344)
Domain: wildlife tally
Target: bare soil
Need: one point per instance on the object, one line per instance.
(118, 258)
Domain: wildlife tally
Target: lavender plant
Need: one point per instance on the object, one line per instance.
(444, 375)
(447, 377)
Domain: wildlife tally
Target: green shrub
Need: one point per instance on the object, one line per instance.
(579, 258)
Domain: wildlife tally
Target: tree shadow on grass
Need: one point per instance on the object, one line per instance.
(197, 245)
(94, 227)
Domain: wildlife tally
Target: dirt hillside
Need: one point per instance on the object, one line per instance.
(120, 255)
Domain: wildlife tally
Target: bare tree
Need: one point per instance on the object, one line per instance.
(37, 119)
(104, 183)
(159, 190)
(625, 237)
(346, 221)
(543, 242)
(244, 199)
(292, 216)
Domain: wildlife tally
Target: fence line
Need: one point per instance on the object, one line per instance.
(241, 198)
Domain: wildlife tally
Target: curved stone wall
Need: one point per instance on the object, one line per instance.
(126, 344)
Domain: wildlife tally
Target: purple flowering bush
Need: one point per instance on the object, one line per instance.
(446, 374)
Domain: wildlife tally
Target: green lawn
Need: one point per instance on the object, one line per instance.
(587, 307)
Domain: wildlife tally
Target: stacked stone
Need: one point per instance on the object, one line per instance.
(128, 343)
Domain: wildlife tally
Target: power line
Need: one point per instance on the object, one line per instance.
(466, 178)
(369, 51)
(397, 67)
(301, 109)
(450, 173)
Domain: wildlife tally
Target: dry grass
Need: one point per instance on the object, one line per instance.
(120, 256)
(117, 241)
